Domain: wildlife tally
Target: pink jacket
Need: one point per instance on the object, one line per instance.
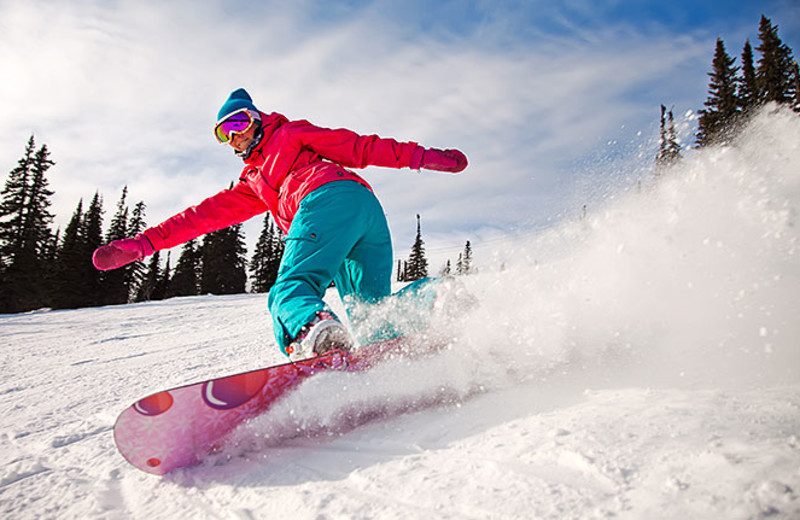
(293, 159)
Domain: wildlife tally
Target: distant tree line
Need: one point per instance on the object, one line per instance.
(734, 92)
(416, 267)
(42, 268)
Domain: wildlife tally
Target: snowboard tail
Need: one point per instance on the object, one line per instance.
(176, 428)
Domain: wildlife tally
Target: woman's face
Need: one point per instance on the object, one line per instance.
(240, 142)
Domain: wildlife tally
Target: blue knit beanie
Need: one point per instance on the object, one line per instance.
(238, 99)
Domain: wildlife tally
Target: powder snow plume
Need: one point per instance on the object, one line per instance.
(694, 278)
(689, 281)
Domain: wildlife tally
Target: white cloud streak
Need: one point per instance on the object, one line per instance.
(125, 93)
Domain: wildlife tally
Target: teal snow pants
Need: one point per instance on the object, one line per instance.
(339, 234)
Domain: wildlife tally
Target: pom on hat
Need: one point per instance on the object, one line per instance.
(238, 99)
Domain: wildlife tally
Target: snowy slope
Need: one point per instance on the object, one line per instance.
(641, 363)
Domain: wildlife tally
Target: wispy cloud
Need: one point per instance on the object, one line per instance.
(126, 93)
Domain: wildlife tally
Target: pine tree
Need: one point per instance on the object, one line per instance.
(673, 147)
(118, 227)
(774, 72)
(278, 247)
(68, 291)
(186, 280)
(670, 150)
(25, 232)
(50, 259)
(92, 238)
(722, 105)
(464, 266)
(78, 280)
(266, 257)
(40, 236)
(152, 275)
(259, 260)
(238, 260)
(748, 87)
(446, 269)
(116, 282)
(661, 158)
(211, 266)
(224, 262)
(136, 271)
(417, 263)
(796, 87)
(161, 285)
(12, 208)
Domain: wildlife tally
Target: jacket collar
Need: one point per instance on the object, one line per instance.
(269, 124)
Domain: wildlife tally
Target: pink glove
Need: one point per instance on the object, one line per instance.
(439, 160)
(122, 252)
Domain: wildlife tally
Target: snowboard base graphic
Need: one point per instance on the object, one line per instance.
(177, 427)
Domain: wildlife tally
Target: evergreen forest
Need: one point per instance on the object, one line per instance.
(736, 91)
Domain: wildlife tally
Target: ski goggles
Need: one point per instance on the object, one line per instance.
(236, 122)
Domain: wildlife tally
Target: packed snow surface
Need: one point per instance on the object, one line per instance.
(643, 362)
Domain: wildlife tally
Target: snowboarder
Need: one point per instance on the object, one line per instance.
(335, 226)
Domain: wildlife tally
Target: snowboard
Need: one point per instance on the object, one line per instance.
(177, 427)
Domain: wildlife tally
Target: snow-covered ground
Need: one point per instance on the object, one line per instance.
(641, 363)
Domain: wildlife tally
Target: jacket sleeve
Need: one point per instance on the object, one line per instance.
(219, 211)
(352, 150)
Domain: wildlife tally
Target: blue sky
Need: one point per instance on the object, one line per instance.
(553, 102)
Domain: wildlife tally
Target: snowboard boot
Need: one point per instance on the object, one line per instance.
(322, 335)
